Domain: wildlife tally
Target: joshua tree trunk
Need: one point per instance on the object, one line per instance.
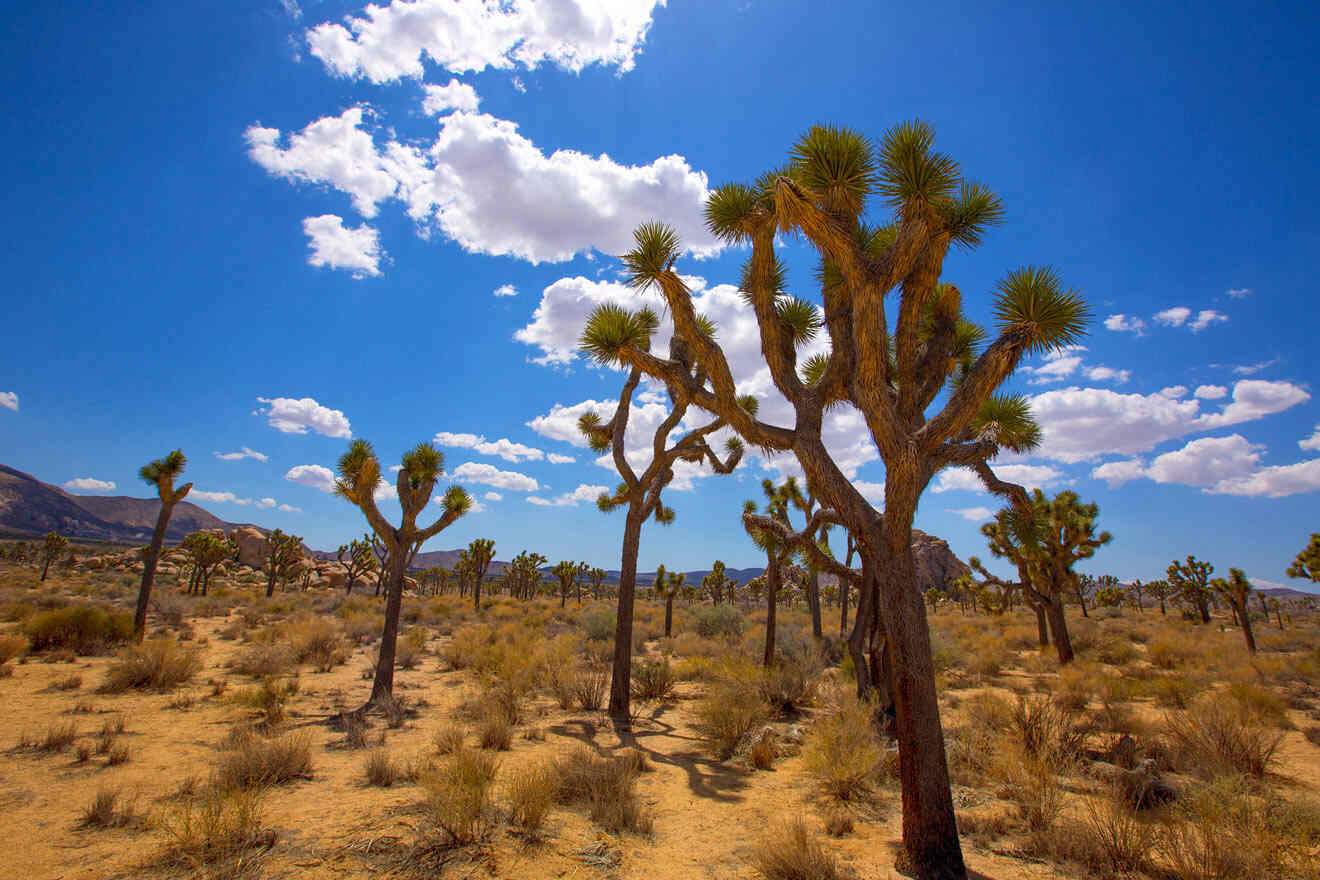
(813, 602)
(476, 595)
(383, 685)
(149, 560)
(669, 614)
(1203, 606)
(1245, 618)
(1042, 626)
(1278, 615)
(45, 567)
(771, 596)
(621, 682)
(843, 608)
(1081, 600)
(1059, 626)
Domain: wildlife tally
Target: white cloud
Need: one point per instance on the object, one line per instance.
(974, 514)
(1252, 369)
(1125, 324)
(89, 484)
(582, 493)
(335, 246)
(503, 447)
(476, 472)
(505, 290)
(266, 503)
(492, 190)
(871, 491)
(1219, 465)
(386, 491)
(1275, 482)
(1254, 399)
(1055, 370)
(1239, 292)
(470, 35)
(1312, 442)
(1205, 318)
(9, 400)
(454, 96)
(1116, 473)
(289, 508)
(1210, 392)
(1174, 317)
(556, 458)
(1031, 476)
(217, 497)
(313, 475)
(1064, 362)
(294, 416)
(1174, 392)
(245, 453)
(1107, 374)
(493, 496)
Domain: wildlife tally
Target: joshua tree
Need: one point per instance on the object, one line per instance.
(1044, 544)
(206, 550)
(1110, 596)
(568, 573)
(359, 475)
(1190, 580)
(1236, 590)
(1160, 590)
(597, 577)
(1138, 591)
(933, 598)
(772, 534)
(1307, 563)
(669, 586)
(820, 535)
(480, 552)
(524, 574)
(609, 330)
(717, 582)
(893, 379)
(52, 547)
(159, 473)
(283, 559)
(361, 559)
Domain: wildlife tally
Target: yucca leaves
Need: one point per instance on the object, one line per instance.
(423, 464)
(1006, 421)
(777, 281)
(967, 216)
(749, 403)
(910, 168)
(597, 432)
(162, 468)
(814, 368)
(456, 500)
(611, 328)
(800, 317)
(837, 165)
(1032, 301)
(727, 211)
(657, 247)
(359, 471)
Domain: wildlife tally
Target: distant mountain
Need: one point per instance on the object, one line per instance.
(30, 508)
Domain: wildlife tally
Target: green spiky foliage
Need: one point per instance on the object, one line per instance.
(359, 477)
(597, 577)
(1190, 582)
(360, 560)
(480, 552)
(1307, 563)
(1044, 544)
(667, 586)
(52, 548)
(770, 531)
(1237, 590)
(1161, 591)
(160, 474)
(524, 574)
(718, 583)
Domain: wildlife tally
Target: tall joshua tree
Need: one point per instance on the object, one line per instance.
(206, 550)
(925, 207)
(1160, 590)
(1307, 563)
(359, 476)
(1236, 590)
(161, 474)
(480, 552)
(609, 330)
(1190, 580)
(52, 547)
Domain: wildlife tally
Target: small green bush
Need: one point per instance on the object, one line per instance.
(599, 626)
(83, 629)
(719, 621)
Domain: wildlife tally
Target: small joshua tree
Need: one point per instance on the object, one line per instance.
(1307, 563)
(524, 574)
(1161, 591)
(717, 582)
(669, 586)
(206, 550)
(568, 572)
(359, 476)
(480, 552)
(1236, 590)
(161, 474)
(1190, 581)
(283, 559)
(361, 559)
(52, 547)
(777, 548)
(597, 577)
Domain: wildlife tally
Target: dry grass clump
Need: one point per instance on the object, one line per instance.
(1215, 737)
(83, 629)
(589, 687)
(792, 853)
(156, 664)
(531, 793)
(653, 680)
(268, 698)
(789, 685)
(265, 661)
(448, 739)
(730, 708)
(606, 785)
(1259, 704)
(58, 738)
(12, 646)
(383, 771)
(1111, 840)
(1048, 731)
(218, 833)
(69, 683)
(108, 810)
(1171, 650)
(842, 750)
(409, 650)
(250, 760)
(317, 641)
(458, 796)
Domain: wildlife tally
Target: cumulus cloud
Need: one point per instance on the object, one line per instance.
(464, 36)
(1312, 442)
(1218, 465)
(9, 400)
(217, 497)
(1205, 318)
(1032, 476)
(1179, 315)
(266, 503)
(871, 491)
(1210, 392)
(503, 447)
(1174, 317)
(1125, 324)
(1054, 370)
(243, 453)
(490, 189)
(313, 475)
(1064, 362)
(1254, 399)
(89, 484)
(1274, 482)
(489, 475)
(505, 290)
(454, 96)
(973, 514)
(556, 458)
(492, 496)
(296, 415)
(1116, 473)
(335, 246)
(1174, 392)
(1107, 374)
(289, 508)
(582, 493)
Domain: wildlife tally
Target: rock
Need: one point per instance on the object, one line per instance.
(336, 575)
(937, 566)
(252, 546)
(1141, 786)
(410, 584)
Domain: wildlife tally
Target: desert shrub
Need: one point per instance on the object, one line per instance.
(599, 626)
(653, 680)
(156, 664)
(730, 709)
(116, 754)
(606, 785)
(58, 737)
(265, 661)
(1261, 705)
(383, 771)
(842, 750)
(791, 853)
(317, 641)
(68, 683)
(268, 698)
(762, 754)
(984, 656)
(1215, 738)
(1030, 784)
(218, 828)
(1170, 651)
(589, 687)
(1111, 839)
(410, 649)
(11, 646)
(458, 796)
(469, 646)
(1173, 691)
(83, 629)
(1047, 731)
(108, 810)
(494, 731)
(531, 793)
(1116, 651)
(448, 739)
(253, 761)
(838, 823)
(719, 621)
(787, 686)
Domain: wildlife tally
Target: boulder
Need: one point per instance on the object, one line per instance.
(252, 546)
(336, 576)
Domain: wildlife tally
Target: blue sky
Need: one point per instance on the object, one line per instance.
(272, 227)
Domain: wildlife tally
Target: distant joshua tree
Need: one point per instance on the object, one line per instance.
(206, 550)
(52, 547)
(597, 577)
(359, 476)
(1190, 581)
(1160, 590)
(524, 574)
(1307, 563)
(161, 474)
(480, 552)
(1236, 590)
(777, 547)
(717, 582)
(668, 586)
(361, 559)
(283, 559)
(568, 573)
